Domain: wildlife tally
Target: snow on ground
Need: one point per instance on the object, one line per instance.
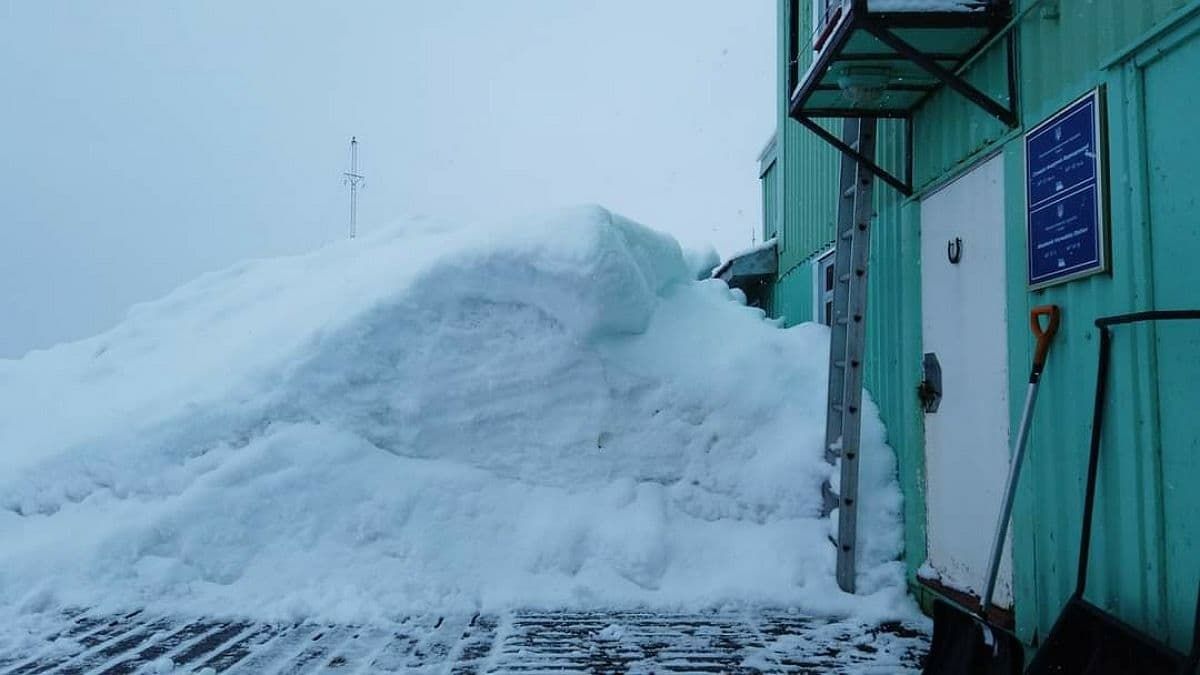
(551, 413)
(742, 642)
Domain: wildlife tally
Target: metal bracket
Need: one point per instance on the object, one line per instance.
(903, 185)
(1001, 112)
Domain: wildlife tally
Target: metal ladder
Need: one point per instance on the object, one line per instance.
(843, 422)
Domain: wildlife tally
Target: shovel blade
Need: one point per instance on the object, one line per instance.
(962, 643)
(1088, 641)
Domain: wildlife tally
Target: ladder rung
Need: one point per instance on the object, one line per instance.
(848, 233)
(849, 192)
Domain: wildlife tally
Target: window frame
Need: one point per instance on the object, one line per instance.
(822, 297)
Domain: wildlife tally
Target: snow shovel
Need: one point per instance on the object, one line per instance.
(963, 641)
(1085, 639)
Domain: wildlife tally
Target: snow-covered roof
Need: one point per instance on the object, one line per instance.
(768, 245)
(768, 147)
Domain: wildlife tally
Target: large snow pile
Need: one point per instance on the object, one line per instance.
(435, 418)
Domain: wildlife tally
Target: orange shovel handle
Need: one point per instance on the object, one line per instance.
(1044, 335)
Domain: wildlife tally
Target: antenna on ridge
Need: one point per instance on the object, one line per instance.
(354, 179)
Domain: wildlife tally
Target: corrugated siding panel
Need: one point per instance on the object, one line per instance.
(894, 338)
(792, 298)
(1131, 551)
(810, 202)
(949, 128)
(809, 165)
(1060, 58)
(1126, 557)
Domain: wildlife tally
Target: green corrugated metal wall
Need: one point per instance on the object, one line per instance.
(1174, 202)
(892, 367)
(792, 300)
(804, 162)
(807, 228)
(1061, 58)
(1133, 573)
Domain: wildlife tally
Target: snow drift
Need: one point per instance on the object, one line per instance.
(551, 413)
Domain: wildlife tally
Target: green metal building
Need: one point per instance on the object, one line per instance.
(968, 99)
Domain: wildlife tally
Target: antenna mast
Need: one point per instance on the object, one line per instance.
(353, 178)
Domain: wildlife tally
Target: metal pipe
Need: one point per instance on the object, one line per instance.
(1014, 470)
(1085, 536)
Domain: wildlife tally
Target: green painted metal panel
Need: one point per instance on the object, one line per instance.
(1145, 557)
(1174, 206)
(950, 130)
(810, 189)
(807, 164)
(1064, 54)
(1047, 520)
(1060, 56)
(1145, 562)
(792, 298)
(892, 364)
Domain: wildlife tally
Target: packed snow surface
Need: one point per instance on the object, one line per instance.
(550, 413)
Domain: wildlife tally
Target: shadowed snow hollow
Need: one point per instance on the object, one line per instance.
(550, 413)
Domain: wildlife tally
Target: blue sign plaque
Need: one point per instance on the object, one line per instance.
(1064, 187)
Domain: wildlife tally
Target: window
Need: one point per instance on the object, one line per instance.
(823, 286)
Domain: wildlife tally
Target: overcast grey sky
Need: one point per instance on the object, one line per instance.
(146, 142)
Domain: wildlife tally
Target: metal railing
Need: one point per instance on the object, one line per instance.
(825, 14)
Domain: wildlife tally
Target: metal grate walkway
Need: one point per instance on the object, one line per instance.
(521, 642)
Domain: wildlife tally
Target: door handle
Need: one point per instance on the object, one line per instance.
(930, 389)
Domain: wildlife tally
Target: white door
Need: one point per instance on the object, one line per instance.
(963, 323)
